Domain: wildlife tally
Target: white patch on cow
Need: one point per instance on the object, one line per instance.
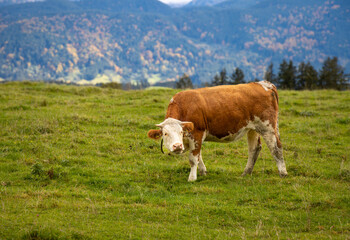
(259, 126)
(171, 100)
(266, 85)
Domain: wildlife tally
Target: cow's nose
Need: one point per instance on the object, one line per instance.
(177, 147)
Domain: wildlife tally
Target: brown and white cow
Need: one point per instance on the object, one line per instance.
(222, 114)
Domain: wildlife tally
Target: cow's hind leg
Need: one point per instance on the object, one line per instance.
(273, 142)
(254, 148)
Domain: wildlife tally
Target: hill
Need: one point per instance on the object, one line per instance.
(138, 40)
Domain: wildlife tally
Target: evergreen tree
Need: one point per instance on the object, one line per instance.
(220, 79)
(307, 76)
(332, 75)
(270, 75)
(237, 76)
(223, 76)
(184, 82)
(216, 81)
(287, 75)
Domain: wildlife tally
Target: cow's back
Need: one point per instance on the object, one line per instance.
(224, 110)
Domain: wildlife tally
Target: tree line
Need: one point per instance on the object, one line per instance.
(305, 76)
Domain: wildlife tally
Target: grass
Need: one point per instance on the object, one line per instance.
(76, 163)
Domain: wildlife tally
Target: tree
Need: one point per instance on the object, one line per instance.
(270, 75)
(142, 84)
(216, 81)
(307, 77)
(184, 82)
(332, 75)
(287, 75)
(237, 76)
(220, 79)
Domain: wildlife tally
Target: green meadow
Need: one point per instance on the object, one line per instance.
(76, 163)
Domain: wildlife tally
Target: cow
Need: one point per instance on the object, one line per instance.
(222, 114)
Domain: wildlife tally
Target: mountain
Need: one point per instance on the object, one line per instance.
(204, 2)
(9, 2)
(138, 40)
(239, 4)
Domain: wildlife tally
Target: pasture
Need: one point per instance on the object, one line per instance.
(76, 163)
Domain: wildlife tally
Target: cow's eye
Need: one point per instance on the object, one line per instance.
(181, 132)
(165, 134)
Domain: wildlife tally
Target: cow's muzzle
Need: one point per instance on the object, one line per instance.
(177, 148)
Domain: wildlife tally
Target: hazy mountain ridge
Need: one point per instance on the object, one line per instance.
(137, 40)
(204, 2)
(9, 2)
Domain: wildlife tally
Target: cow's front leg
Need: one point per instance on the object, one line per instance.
(201, 167)
(194, 164)
(195, 157)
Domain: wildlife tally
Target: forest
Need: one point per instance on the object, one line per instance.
(304, 76)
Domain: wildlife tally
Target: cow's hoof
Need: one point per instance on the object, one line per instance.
(283, 174)
(203, 173)
(248, 172)
(192, 179)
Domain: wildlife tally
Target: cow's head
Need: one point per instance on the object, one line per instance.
(172, 131)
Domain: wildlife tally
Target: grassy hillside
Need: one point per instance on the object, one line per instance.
(75, 163)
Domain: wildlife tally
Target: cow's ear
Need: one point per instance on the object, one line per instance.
(187, 126)
(154, 134)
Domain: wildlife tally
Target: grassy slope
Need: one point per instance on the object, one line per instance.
(75, 163)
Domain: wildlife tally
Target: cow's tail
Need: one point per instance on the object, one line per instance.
(275, 95)
(274, 90)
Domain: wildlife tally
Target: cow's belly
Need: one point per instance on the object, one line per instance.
(230, 137)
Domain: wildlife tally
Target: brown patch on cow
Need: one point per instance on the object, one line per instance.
(187, 127)
(154, 134)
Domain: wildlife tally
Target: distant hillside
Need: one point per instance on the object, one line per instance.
(204, 2)
(240, 4)
(138, 40)
(9, 2)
